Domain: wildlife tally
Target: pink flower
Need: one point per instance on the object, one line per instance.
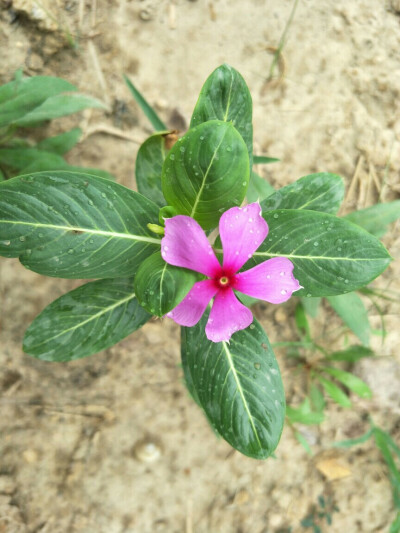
(242, 230)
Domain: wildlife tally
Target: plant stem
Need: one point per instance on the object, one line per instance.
(282, 41)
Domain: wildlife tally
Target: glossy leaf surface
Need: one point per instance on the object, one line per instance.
(149, 162)
(225, 96)
(352, 311)
(330, 255)
(316, 192)
(258, 189)
(84, 321)
(206, 172)
(75, 225)
(238, 385)
(160, 287)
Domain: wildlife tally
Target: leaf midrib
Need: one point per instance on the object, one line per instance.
(93, 317)
(205, 176)
(240, 390)
(129, 236)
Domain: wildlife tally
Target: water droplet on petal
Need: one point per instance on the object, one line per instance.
(283, 291)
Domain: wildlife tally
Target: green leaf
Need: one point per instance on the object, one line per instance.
(303, 441)
(160, 287)
(353, 442)
(351, 354)
(258, 188)
(302, 322)
(311, 306)
(20, 158)
(60, 144)
(375, 219)
(47, 161)
(238, 385)
(330, 255)
(395, 525)
(351, 310)
(304, 414)
(206, 172)
(59, 105)
(316, 192)
(335, 392)
(84, 321)
(149, 162)
(351, 381)
(225, 96)
(155, 121)
(317, 398)
(394, 473)
(263, 160)
(21, 96)
(71, 225)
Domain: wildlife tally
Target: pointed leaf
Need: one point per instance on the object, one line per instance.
(375, 219)
(330, 255)
(335, 392)
(351, 381)
(75, 225)
(352, 311)
(225, 96)
(206, 172)
(84, 321)
(59, 105)
(311, 306)
(351, 354)
(238, 385)
(353, 442)
(258, 188)
(60, 144)
(149, 162)
(316, 192)
(21, 96)
(154, 119)
(303, 414)
(317, 398)
(160, 287)
(264, 160)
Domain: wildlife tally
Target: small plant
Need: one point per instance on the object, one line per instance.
(28, 103)
(390, 452)
(152, 254)
(320, 514)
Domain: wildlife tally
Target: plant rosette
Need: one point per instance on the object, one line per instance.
(72, 225)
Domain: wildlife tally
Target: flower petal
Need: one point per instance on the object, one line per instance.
(242, 230)
(227, 316)
(192, 307)
(272, 281)
(185, 245)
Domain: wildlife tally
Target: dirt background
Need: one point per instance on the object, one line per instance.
(73, 455)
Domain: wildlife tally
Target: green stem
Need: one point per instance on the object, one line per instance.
(282, 40)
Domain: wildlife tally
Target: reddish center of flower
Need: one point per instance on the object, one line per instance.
(224, 280)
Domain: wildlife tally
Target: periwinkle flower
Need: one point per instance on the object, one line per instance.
(242, 230)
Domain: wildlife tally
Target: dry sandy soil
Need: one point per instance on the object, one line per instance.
(69, 432)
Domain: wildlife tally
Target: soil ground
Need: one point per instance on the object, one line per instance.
(71, 434)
